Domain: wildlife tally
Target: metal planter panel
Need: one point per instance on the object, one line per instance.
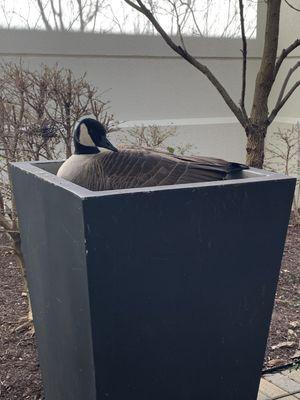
(52, 232)
(167, 293)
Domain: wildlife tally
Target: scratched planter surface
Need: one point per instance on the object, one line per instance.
(152, 294)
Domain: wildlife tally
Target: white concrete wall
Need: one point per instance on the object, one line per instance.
(148, 82)
(289, 32)
(290, 113)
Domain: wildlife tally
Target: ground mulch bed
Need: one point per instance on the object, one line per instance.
(19, 370)
(283, 343)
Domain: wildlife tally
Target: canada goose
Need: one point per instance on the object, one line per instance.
(129, 168)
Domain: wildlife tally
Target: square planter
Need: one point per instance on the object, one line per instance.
(161, 293)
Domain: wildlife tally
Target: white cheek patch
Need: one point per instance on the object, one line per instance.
(84, 137)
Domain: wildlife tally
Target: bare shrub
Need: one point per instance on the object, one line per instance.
(283, 155)
(154, 137)
(38, 113)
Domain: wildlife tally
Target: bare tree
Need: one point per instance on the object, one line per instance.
(64, 15)
(205, 18)
(55, 15)
(256, 122)
(38, 111)
(187, 17)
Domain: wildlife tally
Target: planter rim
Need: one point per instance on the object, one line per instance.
(37, 168)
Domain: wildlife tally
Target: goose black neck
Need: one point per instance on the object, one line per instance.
(80, 149)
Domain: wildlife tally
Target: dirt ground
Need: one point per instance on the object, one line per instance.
(284, 336)
(19, 370)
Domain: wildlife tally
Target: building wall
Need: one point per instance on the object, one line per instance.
(148, 83)
(289, 32)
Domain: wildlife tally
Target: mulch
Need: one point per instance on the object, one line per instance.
(20, 376)
(284, 335)
(19, 370)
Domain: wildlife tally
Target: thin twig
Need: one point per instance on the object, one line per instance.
(293, 7)
(44, 18)
(244, 52)
(285, 82)
(282, 102)
(284, 54)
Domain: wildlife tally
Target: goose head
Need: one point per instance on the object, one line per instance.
(89, 135)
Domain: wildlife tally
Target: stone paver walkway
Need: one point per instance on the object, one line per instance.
(281, 385)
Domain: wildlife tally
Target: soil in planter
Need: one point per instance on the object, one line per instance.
(19, 370)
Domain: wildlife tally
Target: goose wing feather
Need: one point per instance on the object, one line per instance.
(144, 168)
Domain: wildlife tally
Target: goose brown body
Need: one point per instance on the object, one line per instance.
(131, 168)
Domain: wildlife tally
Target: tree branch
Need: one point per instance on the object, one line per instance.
(286, 81)
(293, 7)
(132, 4)
(284, 54)
(265, 76)
(80, 15)
(192, 13)
(193, 61)
(179, 32)
(60, 15)
(244, 52)
(279, 106)
(41, 7)
(54, 12)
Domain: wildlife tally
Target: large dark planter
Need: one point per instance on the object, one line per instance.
(152, 294)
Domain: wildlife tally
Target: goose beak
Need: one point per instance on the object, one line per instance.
(105, 143)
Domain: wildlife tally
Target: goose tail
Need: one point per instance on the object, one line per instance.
(236, 167)
(235, 170)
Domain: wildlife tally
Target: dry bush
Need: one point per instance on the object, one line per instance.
(283, 155)
(154, 137)
(38, 113)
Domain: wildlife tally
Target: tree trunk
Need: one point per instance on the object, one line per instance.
(256, 146)
(257, 130)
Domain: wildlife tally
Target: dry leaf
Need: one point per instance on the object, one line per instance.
(283, 345)
(297, 354)
(292, 333)
(275, 362)
(294, 324)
